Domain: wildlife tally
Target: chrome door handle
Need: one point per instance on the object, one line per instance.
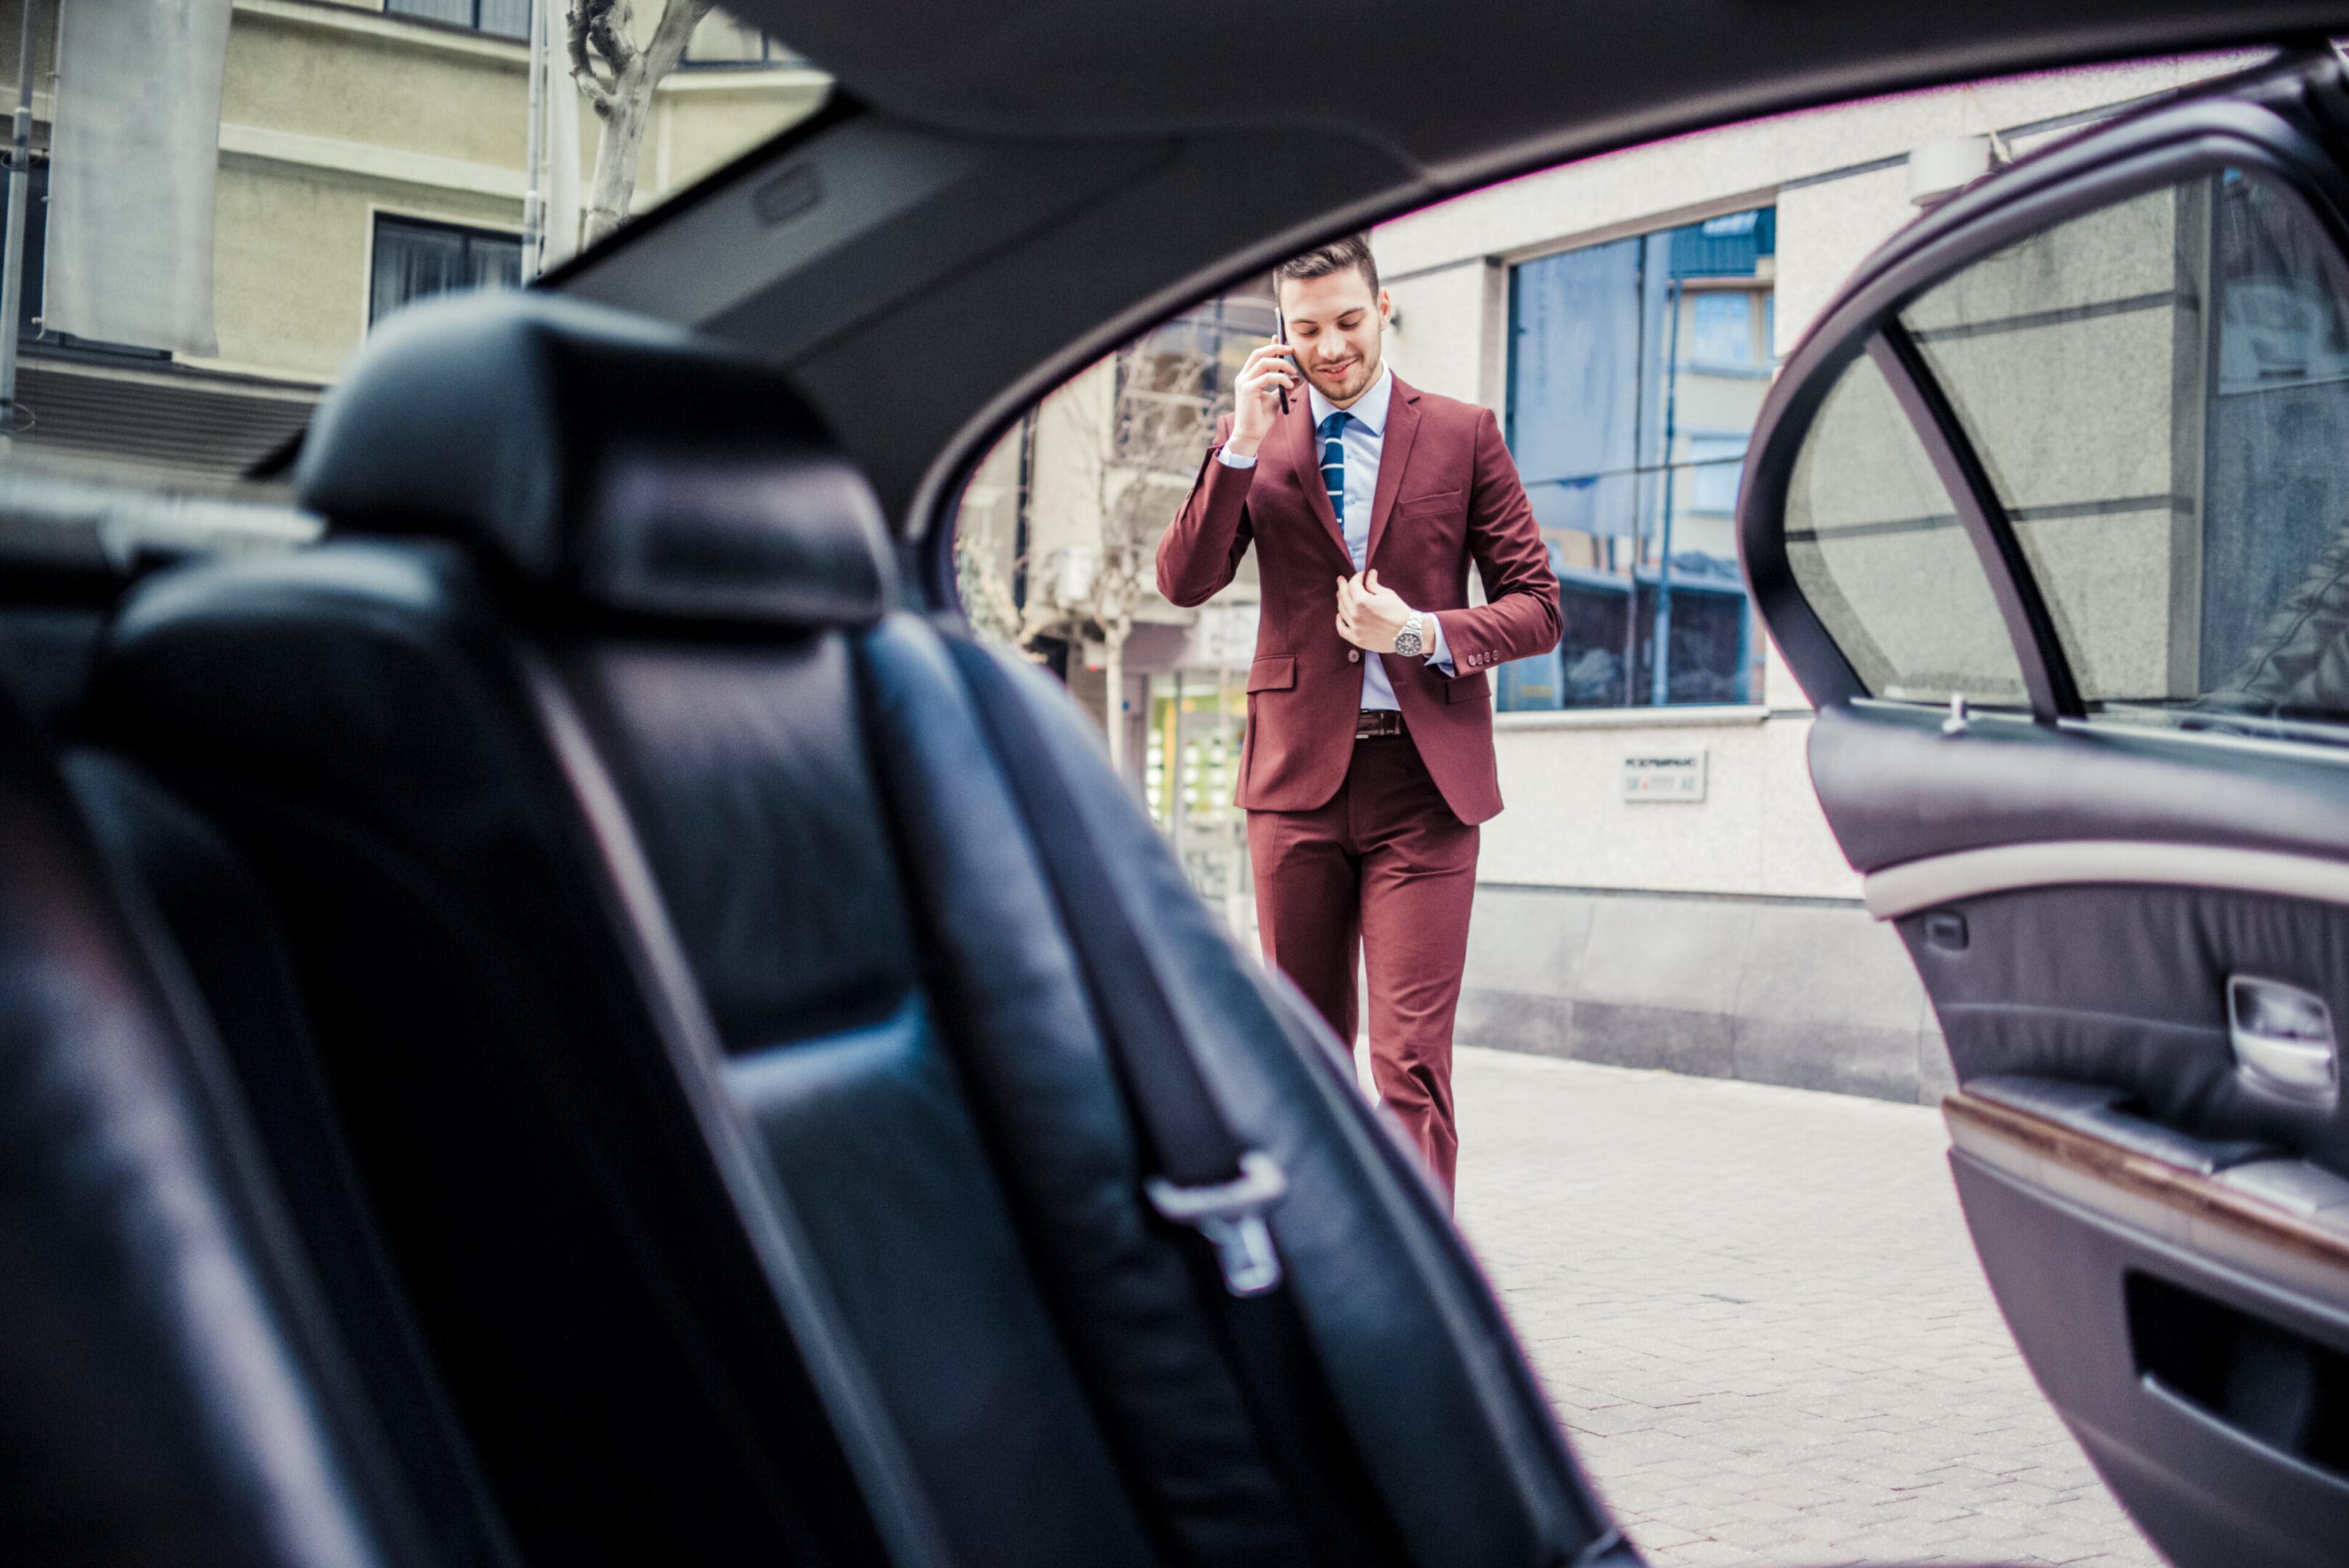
(2283, 1037)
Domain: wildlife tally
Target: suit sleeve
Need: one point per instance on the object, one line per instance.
(1201, 550)
(1519, 617)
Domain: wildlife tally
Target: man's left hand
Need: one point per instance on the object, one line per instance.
(1369, 615)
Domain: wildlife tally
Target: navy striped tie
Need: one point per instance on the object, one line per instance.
(1333, 463)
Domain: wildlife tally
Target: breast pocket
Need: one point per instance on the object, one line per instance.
(1435, 504)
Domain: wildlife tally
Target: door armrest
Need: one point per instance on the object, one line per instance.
(2110, 1116)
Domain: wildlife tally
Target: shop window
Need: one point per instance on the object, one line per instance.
(1636, 369)
(413, 260)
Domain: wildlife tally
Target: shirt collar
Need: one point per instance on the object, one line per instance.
(1370, 407)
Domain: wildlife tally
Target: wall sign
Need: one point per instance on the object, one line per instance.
(1676, 776)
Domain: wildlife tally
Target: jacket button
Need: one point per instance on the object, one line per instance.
(1353, 656)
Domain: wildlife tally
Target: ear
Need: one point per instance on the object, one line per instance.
(1386, 306)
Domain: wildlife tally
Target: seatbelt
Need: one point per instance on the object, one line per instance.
(1206, 1179)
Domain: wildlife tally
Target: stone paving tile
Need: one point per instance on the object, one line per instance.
(1759, 1316)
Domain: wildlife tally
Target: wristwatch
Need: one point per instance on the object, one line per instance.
(1408, 641)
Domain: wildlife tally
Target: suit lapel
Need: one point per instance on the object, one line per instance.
(1394, 453)
(1304, 456)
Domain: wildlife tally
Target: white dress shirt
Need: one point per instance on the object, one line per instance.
(1364, 438)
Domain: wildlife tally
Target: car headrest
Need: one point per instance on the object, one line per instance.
(605, 458)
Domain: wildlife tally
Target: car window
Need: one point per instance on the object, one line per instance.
(1055, 551)
(224, 201)
(2159, 392)
(1876, 548)
(1621, 320)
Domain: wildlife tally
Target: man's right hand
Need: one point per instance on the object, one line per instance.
(1257, 403)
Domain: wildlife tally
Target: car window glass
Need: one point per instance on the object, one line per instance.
(2159, 392)
(1876, 548)
(1055, 553)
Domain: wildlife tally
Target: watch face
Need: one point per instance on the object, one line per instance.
(1407, 644)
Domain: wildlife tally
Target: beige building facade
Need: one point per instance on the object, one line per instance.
(347, 128)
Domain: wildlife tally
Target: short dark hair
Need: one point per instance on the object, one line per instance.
(1353, 250)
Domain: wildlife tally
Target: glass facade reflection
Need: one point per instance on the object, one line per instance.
(1636, 369)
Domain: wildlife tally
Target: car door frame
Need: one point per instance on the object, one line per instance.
(2089, 1213)
(2239, 121)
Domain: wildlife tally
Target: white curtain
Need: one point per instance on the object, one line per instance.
(134, 154)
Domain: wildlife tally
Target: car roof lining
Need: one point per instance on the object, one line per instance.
(995, 230)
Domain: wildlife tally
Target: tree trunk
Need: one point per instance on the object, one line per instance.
(617, 151)
(625, 104)
(1113, 708)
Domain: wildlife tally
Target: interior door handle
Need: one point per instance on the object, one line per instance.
(2283, 1037)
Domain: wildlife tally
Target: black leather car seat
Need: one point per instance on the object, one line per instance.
(731, 992)
(176, 1387)
(498, 1050)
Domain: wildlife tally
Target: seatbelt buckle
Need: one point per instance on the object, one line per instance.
(1230, 1215)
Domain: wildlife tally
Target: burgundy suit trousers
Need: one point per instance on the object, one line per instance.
(1384, 869)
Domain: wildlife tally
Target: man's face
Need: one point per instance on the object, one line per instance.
(1336, 329)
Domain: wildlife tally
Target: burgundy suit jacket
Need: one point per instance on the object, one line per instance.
(1448, 495)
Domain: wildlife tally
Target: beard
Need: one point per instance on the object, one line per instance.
(1356, 380)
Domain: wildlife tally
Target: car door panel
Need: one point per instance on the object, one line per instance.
(2114, 1285)
(2124, 986)
(2048, 515)
(1897, 792)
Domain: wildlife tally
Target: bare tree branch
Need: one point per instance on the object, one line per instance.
(576, 22)
(670, 35)
(608, 24)
(619, 77)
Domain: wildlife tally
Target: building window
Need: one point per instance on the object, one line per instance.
(505, 18)
(720, 42)
(413, 260)
(1636, 369)
(1715, 460)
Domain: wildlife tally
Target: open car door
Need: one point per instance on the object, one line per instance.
(2049, 515)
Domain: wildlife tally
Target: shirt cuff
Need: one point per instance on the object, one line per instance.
(1437, 654)
(1229, 459)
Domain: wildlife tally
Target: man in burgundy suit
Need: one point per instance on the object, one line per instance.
(1369, 756)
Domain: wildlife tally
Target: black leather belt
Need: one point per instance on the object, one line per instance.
(1377, 721)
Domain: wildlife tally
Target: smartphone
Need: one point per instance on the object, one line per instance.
(1280, 333)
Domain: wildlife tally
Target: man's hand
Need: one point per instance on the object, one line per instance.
(1369, 615)
(1256, 404)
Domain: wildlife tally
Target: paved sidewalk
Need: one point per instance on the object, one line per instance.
(1759, 1315)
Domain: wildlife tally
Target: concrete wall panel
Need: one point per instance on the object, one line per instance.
(1813, 996)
